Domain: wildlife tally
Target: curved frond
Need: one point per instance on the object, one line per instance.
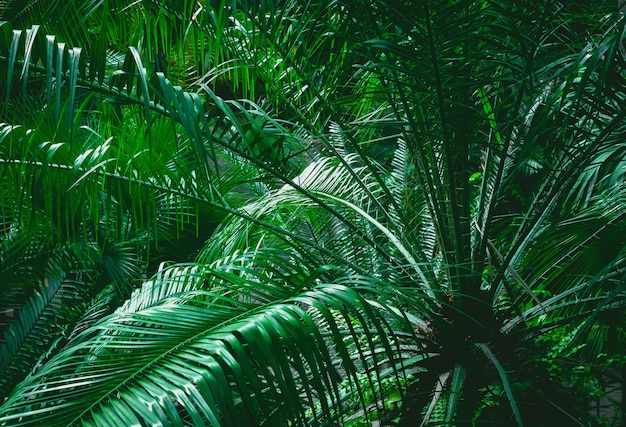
(223, 357)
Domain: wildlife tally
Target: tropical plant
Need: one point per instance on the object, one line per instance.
(420, 207)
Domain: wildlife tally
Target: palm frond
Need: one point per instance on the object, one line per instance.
(273, 349)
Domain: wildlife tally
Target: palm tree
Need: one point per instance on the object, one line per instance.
(421, 209)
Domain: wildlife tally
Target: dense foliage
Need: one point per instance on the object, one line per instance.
(311, 212)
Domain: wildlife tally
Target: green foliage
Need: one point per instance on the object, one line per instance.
(310, 213)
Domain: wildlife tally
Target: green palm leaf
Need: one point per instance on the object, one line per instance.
(257, 342)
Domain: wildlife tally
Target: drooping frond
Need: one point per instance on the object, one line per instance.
(233, 350)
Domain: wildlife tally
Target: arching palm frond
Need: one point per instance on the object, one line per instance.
(258, 349)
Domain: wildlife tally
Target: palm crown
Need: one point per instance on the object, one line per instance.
(379, 210)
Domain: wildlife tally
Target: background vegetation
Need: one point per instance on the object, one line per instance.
(312, 212)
